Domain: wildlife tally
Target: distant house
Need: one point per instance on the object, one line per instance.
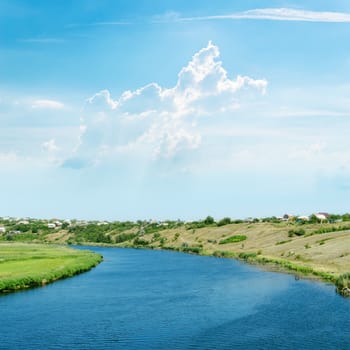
(2, 229)
(23, 222)
(288, 217)
(322, 216)
(51, 225)
(101, 223)
(303, 218)
(325, 214)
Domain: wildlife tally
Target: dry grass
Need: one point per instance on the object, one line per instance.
(327, 252)
(324, 253)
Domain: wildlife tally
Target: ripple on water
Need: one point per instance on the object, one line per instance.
(140, 299)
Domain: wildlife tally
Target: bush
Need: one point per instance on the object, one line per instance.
(343, 281)
(140, 241)
(209, 220)
(329, 229)
(298, 232)
(125, 237)
(224, 221)
(233, 239)
(195, 250)
(247, 256)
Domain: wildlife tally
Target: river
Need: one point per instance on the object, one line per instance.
(142, 299)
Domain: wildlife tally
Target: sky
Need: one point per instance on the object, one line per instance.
(164, 109)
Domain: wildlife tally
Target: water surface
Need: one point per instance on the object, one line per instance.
(140, 299)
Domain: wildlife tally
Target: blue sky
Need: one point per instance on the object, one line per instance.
(174, 109)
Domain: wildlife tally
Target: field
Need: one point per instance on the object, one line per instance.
(29, 265)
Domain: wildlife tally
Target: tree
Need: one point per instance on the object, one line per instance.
(224, 221)
(209, 220)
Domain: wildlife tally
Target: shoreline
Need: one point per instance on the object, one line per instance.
(80, 262)
(269, 264)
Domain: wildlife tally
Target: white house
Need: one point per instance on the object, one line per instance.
(23, 222)
(2, 229)
(51, 225)
(322, 216)
(303, 218)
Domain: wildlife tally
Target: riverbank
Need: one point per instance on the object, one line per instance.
(341, 282)
(316, 251)
(309, 249)
(25, 266)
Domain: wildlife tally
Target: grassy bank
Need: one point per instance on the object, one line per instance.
(315, 249)
(312, 250)
(30, 265)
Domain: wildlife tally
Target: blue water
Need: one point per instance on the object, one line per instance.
(139, 299)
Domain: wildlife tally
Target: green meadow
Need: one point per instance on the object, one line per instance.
(29, 265)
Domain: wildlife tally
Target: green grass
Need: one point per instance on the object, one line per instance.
(329, 229)
(233, 239)
(30, 265)
(343, 284)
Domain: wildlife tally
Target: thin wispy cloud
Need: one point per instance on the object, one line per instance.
(276, 14)
(115, 23)
(47, 104)
(98, 24)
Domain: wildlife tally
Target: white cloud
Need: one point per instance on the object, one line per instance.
(278, 14)
(8, 157)
(98, 24)
(162, 122)
(50, 146)
(47, 104)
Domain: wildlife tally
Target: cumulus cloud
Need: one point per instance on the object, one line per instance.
(47, 104)
(161, 122)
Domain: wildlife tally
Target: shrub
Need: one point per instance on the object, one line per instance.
(195, 250)
(329, 229)
(140, 241)
(176, 236)
(343, 284)
(209, 220)
(233, 239)
(125, 237)
(156, 236)
(224, 221)
(283, 242)
(298, 232)
(247, 256)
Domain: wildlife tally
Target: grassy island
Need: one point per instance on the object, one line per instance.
(30, 265)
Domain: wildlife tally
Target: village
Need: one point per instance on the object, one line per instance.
(13, 226)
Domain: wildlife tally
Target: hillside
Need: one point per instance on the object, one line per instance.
(319, 249)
